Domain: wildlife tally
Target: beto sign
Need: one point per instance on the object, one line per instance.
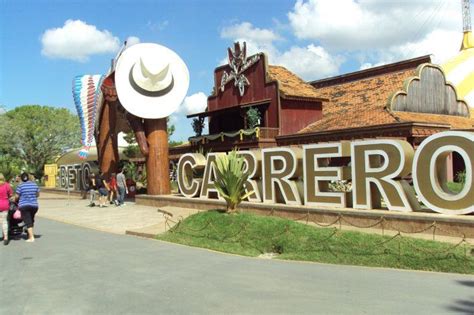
(376, 170)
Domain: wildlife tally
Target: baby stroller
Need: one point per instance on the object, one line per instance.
(15, 226)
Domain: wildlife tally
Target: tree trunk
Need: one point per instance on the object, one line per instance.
(157, 164)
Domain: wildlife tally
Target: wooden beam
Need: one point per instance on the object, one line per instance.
(157, 164)
(108, 144)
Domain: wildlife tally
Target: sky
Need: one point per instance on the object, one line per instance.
(44, 44)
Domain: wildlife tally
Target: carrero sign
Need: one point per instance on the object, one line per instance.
(377, 168)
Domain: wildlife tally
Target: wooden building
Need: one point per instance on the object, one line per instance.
(285, 102)
(407, 100)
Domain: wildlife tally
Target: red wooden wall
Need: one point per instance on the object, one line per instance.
(257, 91)
(295, 115)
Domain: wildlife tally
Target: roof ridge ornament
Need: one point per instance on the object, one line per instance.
(466, 16)
(238, 63)
(467, 40)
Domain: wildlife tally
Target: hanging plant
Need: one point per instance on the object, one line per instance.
(253, 117)
(198, 125)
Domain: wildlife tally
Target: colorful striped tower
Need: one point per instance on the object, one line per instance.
(86, 92)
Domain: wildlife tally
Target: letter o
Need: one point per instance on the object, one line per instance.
(428, 168)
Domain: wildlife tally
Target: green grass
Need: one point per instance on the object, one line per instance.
(174, 186)
(252, 235)
(455, 187)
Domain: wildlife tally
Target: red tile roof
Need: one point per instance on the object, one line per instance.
(358, 103)
(291, 85)
(362, 103)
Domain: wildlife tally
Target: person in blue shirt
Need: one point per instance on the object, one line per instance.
(27, 194)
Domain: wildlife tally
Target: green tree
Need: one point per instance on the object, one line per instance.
(132, 149)
(10, 163)
(37, 134)
(10, 166)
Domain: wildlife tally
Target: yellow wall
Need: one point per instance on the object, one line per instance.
(50, 170)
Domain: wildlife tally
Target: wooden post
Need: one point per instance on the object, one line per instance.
(157, 163)
(108, 146)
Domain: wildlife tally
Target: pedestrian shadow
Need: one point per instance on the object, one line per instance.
(467, 283)
(464, 306)
(24, 236)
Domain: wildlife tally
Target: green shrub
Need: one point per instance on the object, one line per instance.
(231, 179)
(461, 177)
(253, 117)
(198, 125)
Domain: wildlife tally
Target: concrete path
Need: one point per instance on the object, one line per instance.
(131, 218)
(73, 270)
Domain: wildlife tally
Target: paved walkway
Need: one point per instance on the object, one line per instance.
(73, 270)
(130, 219)
(146, 221)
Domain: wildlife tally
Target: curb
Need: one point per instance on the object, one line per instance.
(140, 234)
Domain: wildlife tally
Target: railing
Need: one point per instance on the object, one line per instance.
(268, 133)
(241, 135)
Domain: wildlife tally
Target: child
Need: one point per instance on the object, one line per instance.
(113, 189)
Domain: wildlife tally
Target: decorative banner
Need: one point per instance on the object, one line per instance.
(86, 94)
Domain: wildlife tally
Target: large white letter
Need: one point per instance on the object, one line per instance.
(253, 163)
(377, 168)
(280, 167)
(208, 189)
(187, 166)
(429, 168)
(317, 174)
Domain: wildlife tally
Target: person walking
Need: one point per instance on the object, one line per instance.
(103, 189)
(6, 193)
(92, 189)
(122, 187)
(113, 190)
(27, 194)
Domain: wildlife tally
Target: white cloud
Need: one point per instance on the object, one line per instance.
(173, 119)
(157, 26)
(311, 62)
(371, 24)
(77, 40)
(381, 32)
(132, 40)
(193, 104)
(365, 32)
(2, 110)
(250, 32)
(441, 44)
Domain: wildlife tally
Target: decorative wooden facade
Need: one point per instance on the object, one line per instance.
(286, 103)
(407, 100)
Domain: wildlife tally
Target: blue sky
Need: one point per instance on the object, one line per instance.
(313, 38)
